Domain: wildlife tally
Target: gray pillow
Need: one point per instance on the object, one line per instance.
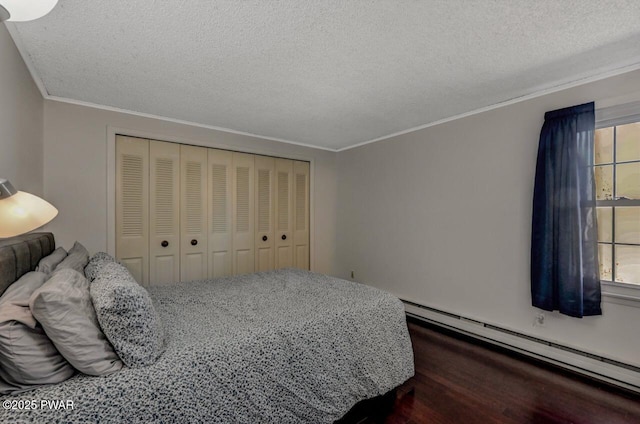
(49, 263)
(27, 356)
(77, 258)
(127, 316)
(96, 263)
(63, 307)
(14, 303)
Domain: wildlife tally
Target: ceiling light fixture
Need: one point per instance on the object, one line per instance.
(25, 10)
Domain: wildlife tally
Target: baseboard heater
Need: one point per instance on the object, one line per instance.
(611, 371)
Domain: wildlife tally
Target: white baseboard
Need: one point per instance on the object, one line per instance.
(622, 375)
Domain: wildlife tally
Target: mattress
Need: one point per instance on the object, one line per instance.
(285, 346)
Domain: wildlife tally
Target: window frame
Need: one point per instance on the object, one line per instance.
(613, 291)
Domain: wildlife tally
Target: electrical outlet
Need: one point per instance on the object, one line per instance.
(353, 275)
(538, 320)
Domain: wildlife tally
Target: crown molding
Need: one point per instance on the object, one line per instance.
(17, 40)
(537, 93)
(180, 121)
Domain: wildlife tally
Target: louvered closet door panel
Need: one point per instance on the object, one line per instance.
(264, 173)
(132, 206)
(301, 214)
(220, 212)
(164, 214)
(193, 213)
(284, 213)
(243, 214)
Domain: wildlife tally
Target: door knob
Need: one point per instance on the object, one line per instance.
(194, 242)
(265, 238)
(284, 237)
(164, 243)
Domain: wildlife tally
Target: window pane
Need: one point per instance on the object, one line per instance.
(628, 264)
(604, 145)
(627, 180)
(605, 224)
(627, 225)
(604, 182)
(604, 252)
(627, 142)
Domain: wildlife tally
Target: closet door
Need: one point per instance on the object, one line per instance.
(284, 213)
(193, 212)
(132, 206)
(243, 214)
(301, 214)
(264, 176)
(164, 215)
(220, 212)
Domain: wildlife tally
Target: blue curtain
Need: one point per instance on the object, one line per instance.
(564, 241)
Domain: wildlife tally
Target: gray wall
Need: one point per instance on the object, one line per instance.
(20, 120)
(75, 171)
(442, 216)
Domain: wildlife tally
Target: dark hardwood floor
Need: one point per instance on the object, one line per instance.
(462, 381)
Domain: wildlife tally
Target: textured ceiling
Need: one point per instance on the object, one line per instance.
(328, 73)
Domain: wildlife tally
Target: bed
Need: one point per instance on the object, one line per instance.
(286, 346)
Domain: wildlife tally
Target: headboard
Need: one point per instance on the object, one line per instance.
(19, 255)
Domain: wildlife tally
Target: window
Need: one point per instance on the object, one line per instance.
(617, 174)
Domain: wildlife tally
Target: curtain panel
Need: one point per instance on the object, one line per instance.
(564, 240)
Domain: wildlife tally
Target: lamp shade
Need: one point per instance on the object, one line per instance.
(27, 10)
(22, 212)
